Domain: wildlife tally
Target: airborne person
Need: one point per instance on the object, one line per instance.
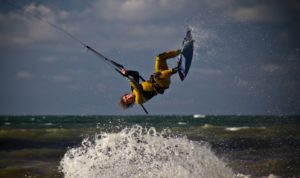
(157, 83)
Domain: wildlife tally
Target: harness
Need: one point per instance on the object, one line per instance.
(156, 87)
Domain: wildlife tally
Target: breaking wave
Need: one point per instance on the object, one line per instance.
(141, 152)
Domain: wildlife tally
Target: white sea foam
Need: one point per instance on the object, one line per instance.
(208, 126)
(143, 153)
(199, 116)
(181, 123)
(233, 129)
(7, 123)
(249, 176)
(48, 124)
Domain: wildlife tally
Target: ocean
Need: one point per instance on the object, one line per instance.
(149, 146)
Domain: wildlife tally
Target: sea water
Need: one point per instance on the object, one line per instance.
(149, 146)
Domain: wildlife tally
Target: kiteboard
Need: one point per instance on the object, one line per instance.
(186, 56)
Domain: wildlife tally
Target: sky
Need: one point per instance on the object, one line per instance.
(246, 61)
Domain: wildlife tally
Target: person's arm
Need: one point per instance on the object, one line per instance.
(137, 91)
(132, 74)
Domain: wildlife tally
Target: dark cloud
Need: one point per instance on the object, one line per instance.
(246, 59)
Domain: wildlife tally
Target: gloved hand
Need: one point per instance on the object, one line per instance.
(124, 72)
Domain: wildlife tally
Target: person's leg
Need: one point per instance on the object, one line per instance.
(167, 73)
(163, 78)
(161, 60)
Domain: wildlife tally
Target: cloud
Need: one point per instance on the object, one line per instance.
(126, 19)
(62, 78)
(258, 13)
(49, 59)
(207, 72)
(139, 36)
(137, 10)
(135, 24)
(272, 11)
(101, 88)
(220, 3)
(241, 82)
(271, 68)
(24, 75)
(33, 30)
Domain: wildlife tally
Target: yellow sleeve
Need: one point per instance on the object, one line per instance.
(137, 91)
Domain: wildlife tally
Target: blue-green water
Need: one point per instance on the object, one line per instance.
(40, 146)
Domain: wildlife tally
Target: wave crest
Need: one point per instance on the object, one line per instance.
(142, 152)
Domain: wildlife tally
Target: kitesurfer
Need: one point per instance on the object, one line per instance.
(157, 83)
